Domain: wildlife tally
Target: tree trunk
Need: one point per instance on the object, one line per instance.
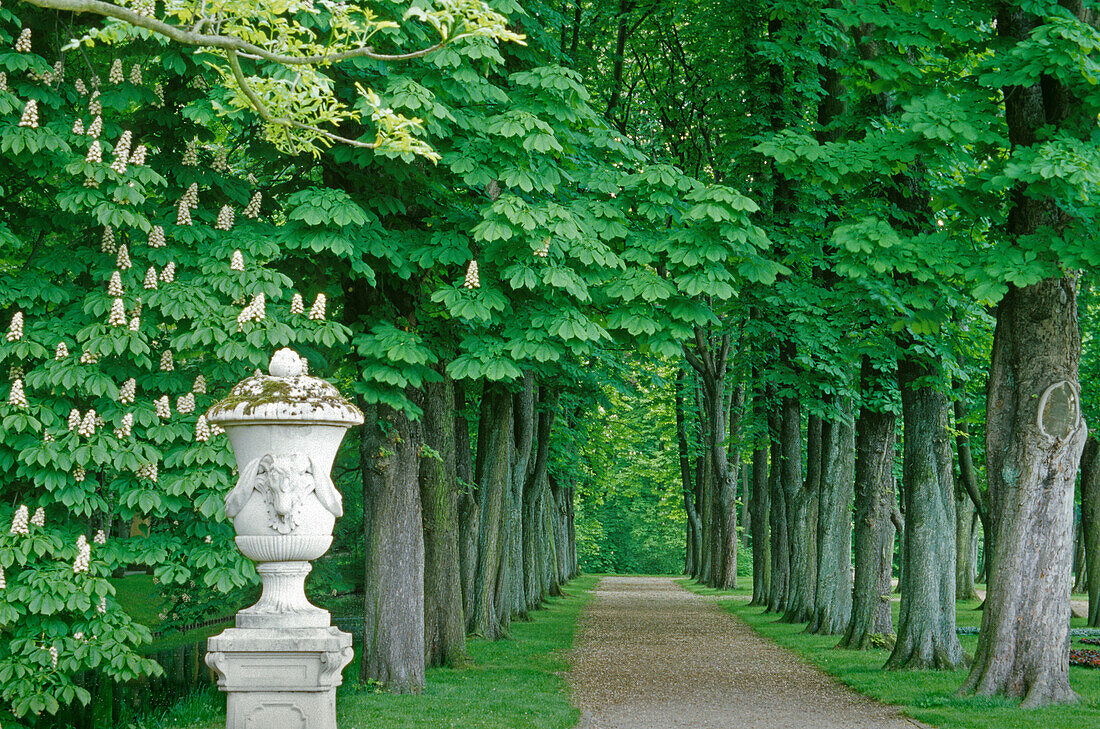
(966, 532)
(727, 476)
(761, 548)
(1034, 432)
(693, 558)
(1090, 525)
(469, 517)
(777, 514)
(926, 627)
(493, 469)
(444, 627)
(799, 509)
(1079, 567)
(534, 488)
(833, 600)
(873, 537)
(393, 644)
(523, 416)
(975, 510)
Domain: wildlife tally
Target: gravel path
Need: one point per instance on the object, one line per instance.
(651, 655)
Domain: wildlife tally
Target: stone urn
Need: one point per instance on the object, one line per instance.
(282, 661)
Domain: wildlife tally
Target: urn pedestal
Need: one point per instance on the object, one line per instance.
(281, 664)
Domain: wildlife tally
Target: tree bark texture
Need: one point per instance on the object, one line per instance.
(493, 472)
(761, 547)
(1090, 525)
(393, 644)
(523, 416)
(926, 626)
(799, 503)
(534, 490)
(873, 537)
(444, 626)
(833, 599)
(469, 517)
(777, 515)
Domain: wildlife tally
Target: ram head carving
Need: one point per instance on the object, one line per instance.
(283, 480)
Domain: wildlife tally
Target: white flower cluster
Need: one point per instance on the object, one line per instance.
(544, 250)
(473, 279)
(86, 429)
(159, 91)
(156, 237)
(101, 608)
(216, 429)
(123, 260)
(115, 75)
(3, 81)
(95, 152)
(189, 200)
(15, 372)
(87, 357)
(30, 115)
(221, 161)
(20, 520)
(135, 323)
(127, 391)
(74, 419)
(202, 429)
(151, 278)
(79, 474)
(185, 404)
(225, 218)
(317, 311)
(53, 656)
(62, 351)
(78, 127)
(39, 517)
(166, 363)
(164, 410)
(117, 317)
(255, 311)
(95, 106)
(83, 555)
(200, 385)
(297, 306)
(17, 396)
(168, 275)
(47, 437)
(148, 471)
(135, 74)
(138, 157)
(59, 70)
(114, 286)
(100, 537)
(252, 210)
(124, 430)
(95, 127)
(207, 539)
(15, 329)
(23, 42)
(236, 261)
(81, 87)
(107, 242)
(122, 152)
(191, 153)
(3, 579)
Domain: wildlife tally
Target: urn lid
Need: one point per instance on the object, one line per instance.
(287, 394)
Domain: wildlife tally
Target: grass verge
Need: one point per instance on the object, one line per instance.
(927, 696)
(510, 684)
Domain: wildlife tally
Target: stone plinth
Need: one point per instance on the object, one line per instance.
(280, 678)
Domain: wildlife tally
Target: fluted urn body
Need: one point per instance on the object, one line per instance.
(285, 428)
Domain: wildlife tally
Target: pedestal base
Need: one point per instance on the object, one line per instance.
(283, 679)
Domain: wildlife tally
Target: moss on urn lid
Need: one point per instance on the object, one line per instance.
(288, 394)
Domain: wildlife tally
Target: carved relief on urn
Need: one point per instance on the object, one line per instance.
(285, 429)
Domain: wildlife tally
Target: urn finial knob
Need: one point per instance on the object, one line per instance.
(287, 363)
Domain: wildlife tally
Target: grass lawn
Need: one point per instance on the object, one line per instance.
(928, 696)
(510, 684)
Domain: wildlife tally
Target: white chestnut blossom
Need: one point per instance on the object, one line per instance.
(216, 429)
(156, 236)
(100, 537)
(158, 89)
(225, 218)
(473, 279)
(81, 87)
(191, 153)
(148, 471)
(95, 128)
(117, 317)
(252, 210)
(53, 656)
(107, 242)
(115, 75)
(83, 555)
(78, 127)
(183, 214)
(207, 540)
(87, 357)
(3, 81)
(23, 42)
(135, 74)
(3, 579)
(17, 397)
(19, 521)
(236, 261)
(221, 161)
(123, 260)
(138, 157)
(151, 277)
(15, 372)
(95, 152)
(15, 329)
(166, 363)
(255, 311)
(544, 250)
(95, 106)
(79, 474)
(127, 391)
(200, 385)
(74, 419)
(317, 311)
(135, 324)
(191, 195)
(296, 304)
(124, 430)
(62, 351)
(87, 425)
(114, 286)
(30, 115)
(185, 404)
(202, 429)
(39, 517)
(164, 410)
(168, 275)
